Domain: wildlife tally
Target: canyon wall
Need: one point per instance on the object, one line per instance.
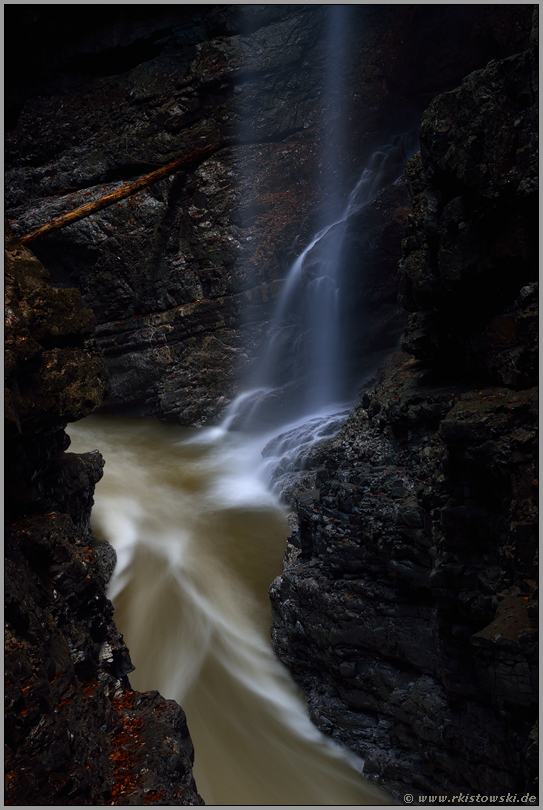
(407, 606)
(407, 609)
(182, 276)
(75, 732)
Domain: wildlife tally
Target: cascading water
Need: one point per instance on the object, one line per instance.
(303, 370)
(200, 534)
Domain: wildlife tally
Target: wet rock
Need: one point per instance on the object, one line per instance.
(469, 273)
(370, 255)
(405, 553)
(115, 98)
(408, 605)
(72, 720)
(53, 368)
(506, 657)
(409, 534)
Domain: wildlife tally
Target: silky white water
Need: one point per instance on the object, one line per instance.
(200, 536)
(199, 539)
(303, 369)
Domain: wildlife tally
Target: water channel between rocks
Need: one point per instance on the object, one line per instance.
(199, 539)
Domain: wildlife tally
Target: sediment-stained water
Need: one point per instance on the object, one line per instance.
(199, 538)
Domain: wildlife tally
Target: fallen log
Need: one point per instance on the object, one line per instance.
(119, 194)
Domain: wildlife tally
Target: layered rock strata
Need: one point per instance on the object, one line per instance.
(183, 276)
(75, 731)
(407, 609)
(182, 279)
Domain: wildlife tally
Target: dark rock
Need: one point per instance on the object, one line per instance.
(415, 529)
(469, 271)
(110, 100)
(76, 733)
(411, 582)
(370, 255)
(407, 609)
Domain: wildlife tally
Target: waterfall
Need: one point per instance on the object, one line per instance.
(200, 534)
(200, 531)
(303, 375)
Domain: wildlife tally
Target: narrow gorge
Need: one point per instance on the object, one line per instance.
(299, 374)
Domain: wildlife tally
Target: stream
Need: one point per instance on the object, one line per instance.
(199, 537)
(200, 534)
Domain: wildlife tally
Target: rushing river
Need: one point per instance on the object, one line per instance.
(199, 538)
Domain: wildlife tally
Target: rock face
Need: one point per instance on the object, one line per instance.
(75, 732)
(183, 276)
(470, 247)
(407, 609)
(408, 602)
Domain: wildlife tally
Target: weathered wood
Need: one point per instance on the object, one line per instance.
(114, 196)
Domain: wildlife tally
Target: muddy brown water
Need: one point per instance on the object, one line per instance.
(199, 538)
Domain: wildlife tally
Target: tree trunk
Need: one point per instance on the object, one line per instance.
(118, 194)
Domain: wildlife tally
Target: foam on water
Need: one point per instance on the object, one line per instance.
(200, 535)
(196, 557)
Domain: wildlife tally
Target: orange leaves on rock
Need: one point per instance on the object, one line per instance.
(125, 748)
(153, 797)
